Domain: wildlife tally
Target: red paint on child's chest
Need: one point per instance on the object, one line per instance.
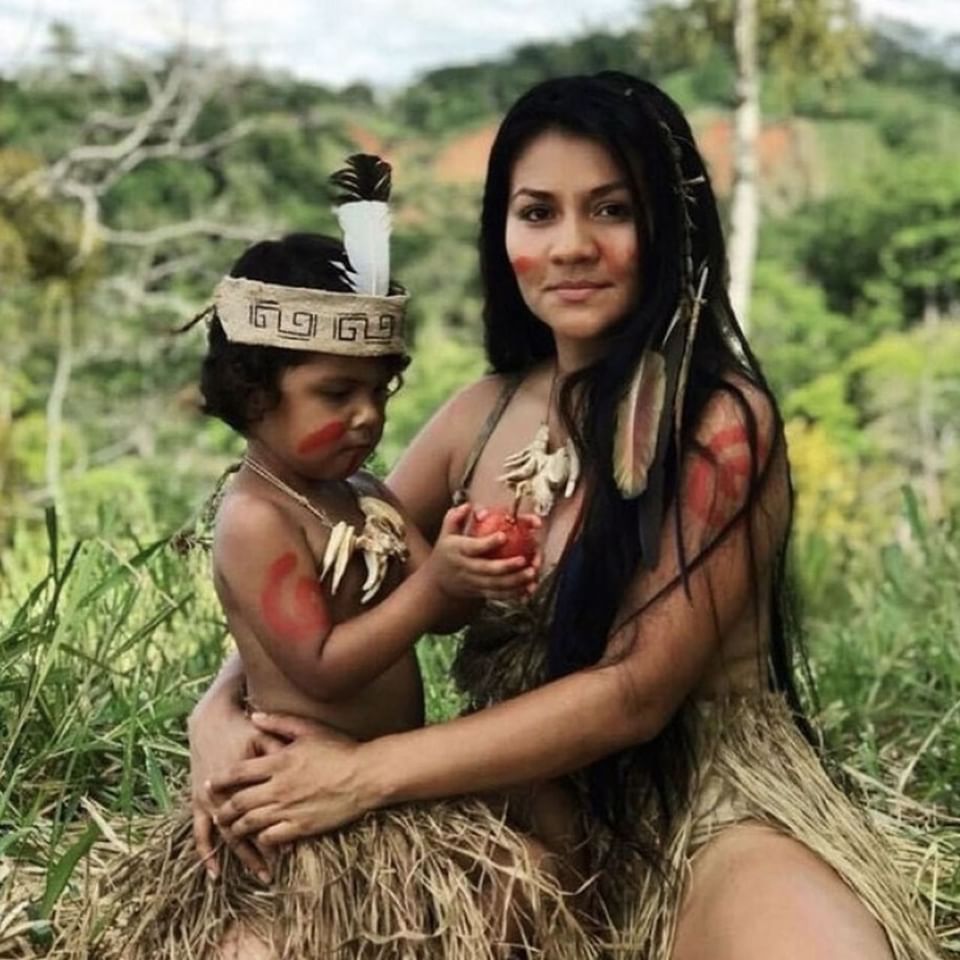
(330, 433)
(306, 617)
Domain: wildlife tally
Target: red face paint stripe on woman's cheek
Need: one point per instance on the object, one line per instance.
(308, 619)
(323, 437)
(523, 264)
(619, 261)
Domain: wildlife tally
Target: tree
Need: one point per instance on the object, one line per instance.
(788, 38)
(887, 254)
(100, 240)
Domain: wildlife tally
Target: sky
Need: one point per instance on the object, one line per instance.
(382, 42)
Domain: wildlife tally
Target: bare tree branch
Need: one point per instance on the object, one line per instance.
(179, 231)
(176, 97)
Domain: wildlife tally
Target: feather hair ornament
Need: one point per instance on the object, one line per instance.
(652, 410)
(364, 218)
(638, 424)
(685, 359)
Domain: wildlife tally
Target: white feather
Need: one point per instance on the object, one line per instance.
(366, 238)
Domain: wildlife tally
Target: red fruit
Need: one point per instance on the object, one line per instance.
(520, 541)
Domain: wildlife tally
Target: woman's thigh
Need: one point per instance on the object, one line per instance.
(755, 894)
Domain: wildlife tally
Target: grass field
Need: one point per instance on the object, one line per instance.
(104, 648)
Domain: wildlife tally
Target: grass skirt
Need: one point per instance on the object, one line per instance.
(751, 764)
(754, 765)
(411, 883)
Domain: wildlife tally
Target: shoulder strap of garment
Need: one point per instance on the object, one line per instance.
(489, 425)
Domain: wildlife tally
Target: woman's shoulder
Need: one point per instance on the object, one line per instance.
(461, 417)
(477, 398)
(735, 409)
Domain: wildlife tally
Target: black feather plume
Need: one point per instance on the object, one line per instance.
(365, 177)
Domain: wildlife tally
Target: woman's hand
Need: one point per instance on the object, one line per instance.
(462, 563)
(220, 735)
(306, 788)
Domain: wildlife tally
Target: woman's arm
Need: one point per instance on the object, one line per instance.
(319, 782)
(220, 735)
(654, 662)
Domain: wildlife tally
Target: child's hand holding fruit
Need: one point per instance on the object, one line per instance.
(489, 553)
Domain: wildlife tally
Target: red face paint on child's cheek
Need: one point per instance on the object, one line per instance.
(308, 619)
(330, 433)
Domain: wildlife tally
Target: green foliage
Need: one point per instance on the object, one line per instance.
(453, 98)
(795, 335)
(887, 251)
(888, 671)
(100, 662)
(795, 40)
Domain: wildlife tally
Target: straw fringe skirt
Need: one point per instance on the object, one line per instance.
(755, 766)
(412, 883)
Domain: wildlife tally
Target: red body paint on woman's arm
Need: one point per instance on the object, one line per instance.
(305, 617)
(716, 489)
(330, 433)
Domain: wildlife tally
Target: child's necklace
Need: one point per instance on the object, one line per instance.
(381, 538)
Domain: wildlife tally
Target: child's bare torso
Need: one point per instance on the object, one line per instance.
(393, 701)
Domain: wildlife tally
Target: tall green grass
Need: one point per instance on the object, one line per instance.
(103, 655)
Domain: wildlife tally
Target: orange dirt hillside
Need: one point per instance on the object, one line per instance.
(788, 167)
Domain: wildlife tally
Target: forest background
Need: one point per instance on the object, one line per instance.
(127, 187)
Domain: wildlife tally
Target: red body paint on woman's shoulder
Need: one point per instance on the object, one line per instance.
(330, 433)
(306, 617)
(715, 489)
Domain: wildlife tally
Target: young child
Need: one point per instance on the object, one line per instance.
(309, 550)
(326, 588)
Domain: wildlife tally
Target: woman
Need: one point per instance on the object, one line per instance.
(652, 671)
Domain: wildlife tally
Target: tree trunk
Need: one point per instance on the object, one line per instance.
(58, 396)
(745, 208)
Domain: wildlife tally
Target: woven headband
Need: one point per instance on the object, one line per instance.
(302, 318)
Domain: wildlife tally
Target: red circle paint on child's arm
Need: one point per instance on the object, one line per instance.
(307, 618)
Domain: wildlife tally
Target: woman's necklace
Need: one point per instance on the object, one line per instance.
(540, 474)
(381, 538)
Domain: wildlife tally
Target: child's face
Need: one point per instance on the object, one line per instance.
(330, 416)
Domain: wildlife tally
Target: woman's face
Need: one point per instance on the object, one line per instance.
(572, 237)
(330, 416)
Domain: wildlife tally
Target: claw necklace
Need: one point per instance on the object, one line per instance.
(381, 538)
(540, 474)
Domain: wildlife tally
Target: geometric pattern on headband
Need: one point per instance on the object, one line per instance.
(300, 318)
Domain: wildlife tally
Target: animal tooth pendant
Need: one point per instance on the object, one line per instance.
(538, 474)
(380, 540)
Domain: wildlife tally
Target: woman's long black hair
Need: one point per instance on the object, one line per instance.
(651, 141)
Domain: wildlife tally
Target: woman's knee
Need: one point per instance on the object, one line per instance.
(754, 893)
